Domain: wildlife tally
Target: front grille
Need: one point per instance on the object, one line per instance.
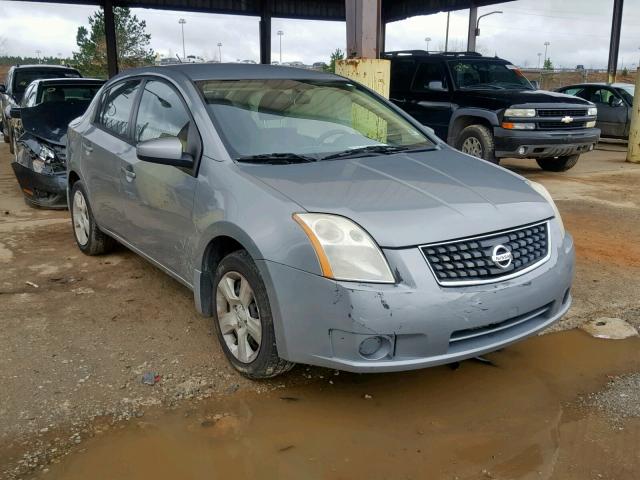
(548, 112)
(560, 125)
(469, 261)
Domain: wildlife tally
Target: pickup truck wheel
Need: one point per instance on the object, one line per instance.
(559, 164)
(242, 318)
(477, 141)
(89, 238)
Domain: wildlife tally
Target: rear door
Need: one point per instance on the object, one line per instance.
(158, 199)
(104, 144)
(429, 100)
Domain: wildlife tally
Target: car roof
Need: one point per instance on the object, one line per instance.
(231, 71)
(598, 84)
(421, 54)
(54, 81)
(42, 66)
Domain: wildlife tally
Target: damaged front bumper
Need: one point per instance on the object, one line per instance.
(42, 189)
(415, 323)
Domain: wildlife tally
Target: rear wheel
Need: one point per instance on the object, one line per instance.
(559, 164)
(477, 141)
(87, 234)
(243, 320)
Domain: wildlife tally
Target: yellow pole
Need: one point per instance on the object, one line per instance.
(633, 154)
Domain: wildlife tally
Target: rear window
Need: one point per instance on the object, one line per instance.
(23, 77)
(67, 93)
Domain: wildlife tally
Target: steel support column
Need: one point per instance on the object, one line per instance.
(363, 28)
(614, 46)
(265, 33)
(110, 38)
(471, 35)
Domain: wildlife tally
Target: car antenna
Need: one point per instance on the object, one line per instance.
(178, 57)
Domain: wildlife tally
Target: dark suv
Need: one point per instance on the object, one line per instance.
(18, 79)
(484, 106)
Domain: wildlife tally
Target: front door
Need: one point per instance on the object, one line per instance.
(430, 97)
(158, 199)
(612, 111)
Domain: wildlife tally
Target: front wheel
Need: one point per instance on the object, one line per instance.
(242, 318)
(559, 164)
(477, 141)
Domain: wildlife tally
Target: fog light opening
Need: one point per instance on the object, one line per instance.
(374, 348)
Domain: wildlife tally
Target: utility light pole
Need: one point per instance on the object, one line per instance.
(38, 52)
(280, 34)
(539, 55)
(546, 46)
(446, 38)
(481, 17)
(182, 21)
(427, 39)
(220, 51)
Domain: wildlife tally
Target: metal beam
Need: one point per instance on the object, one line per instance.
(363, 28)
(265, 32)
(471, 34)
(614, 45)
(110, 38)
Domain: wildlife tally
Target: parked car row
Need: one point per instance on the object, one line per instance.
(314, 221)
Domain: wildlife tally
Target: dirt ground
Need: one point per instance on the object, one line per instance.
(78, 333)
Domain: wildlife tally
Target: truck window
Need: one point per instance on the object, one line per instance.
(430, 77)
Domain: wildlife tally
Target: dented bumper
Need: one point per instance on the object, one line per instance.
(415, 323)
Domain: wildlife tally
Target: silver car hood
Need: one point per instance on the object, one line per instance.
(411, 199)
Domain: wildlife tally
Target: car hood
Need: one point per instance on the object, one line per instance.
(49, 121)
(413, 198)
(507, 98)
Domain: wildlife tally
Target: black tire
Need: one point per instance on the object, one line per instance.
(559, 164)
(267, 363)
(482, 140)
(97, 242)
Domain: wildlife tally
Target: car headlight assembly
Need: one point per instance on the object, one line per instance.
(344, 250)
(593, 111)
(520, 112)
(46, 154)
(539, 188)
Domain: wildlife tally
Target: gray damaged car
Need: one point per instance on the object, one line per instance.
(314, 221)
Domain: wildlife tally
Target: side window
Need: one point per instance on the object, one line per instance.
(430, 76)
(575, 91)
(116, 106)
(161, 114)
(27, 100)
(401, 74)
(602, 96)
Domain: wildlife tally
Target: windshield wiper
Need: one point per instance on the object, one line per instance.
(276, 158)
(481, 86)
(382, 149)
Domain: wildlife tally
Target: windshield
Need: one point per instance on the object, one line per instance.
(66, 93)
(627, 92)
(23, 77)
(487, 74)
(303, 117)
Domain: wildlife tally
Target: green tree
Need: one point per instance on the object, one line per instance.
(132, 43)
(335, 56)
(547, 64)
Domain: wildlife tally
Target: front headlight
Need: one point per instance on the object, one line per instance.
(345, 251)
(545, 193)
(520, 112)
(593, 111)
(46, 154)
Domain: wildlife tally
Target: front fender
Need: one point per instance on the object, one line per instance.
(487, 115)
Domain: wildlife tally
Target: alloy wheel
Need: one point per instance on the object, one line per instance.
(472, 146)
(81, 224)
(238, 316)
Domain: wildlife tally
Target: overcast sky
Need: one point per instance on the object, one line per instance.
(578, 31)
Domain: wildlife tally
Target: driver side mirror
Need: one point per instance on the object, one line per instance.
(615, 102)
(14, 112)
(3, 88)
(535, 84)
(164, 151)
(436, 85)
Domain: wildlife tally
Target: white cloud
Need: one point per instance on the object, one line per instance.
(577, 29)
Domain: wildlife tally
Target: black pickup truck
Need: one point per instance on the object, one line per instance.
(484, 106)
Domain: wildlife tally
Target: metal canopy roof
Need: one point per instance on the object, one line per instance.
(392, 10)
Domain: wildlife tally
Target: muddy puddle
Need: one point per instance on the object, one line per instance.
(514, 418)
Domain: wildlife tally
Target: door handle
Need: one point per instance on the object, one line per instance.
(128, 173)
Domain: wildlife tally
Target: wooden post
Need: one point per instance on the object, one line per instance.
(633, 153)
